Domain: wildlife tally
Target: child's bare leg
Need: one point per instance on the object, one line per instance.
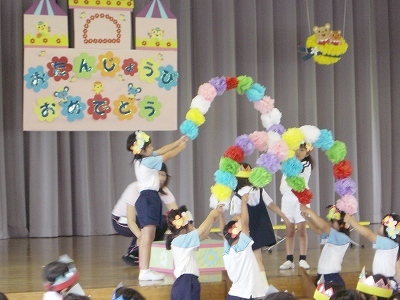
(303, 237)
(258, 255)
(290, 231)
(147, 238)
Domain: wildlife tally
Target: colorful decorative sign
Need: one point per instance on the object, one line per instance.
(101, 84)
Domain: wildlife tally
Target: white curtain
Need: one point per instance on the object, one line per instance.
(66, 183)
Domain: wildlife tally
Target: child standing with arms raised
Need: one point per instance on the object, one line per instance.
(386, 243)
(261, 230)
(149, 206)
(239, 259)
(331, 258)
(291, 208)
(183, 241)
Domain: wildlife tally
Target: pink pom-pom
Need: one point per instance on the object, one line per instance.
(260, 140)
(207, 91)
(265, 105)
(280, 149)
(348, 204)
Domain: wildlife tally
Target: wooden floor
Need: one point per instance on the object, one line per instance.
(98, 259)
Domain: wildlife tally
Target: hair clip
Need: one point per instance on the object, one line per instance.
(141, 139)
(183, 219)
(392, 226)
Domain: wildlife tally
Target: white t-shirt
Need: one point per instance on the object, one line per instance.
(331, 258)
(183, 247)
(51, 295)
(146, 171)
(385, 256)
(254, 199)
(131, 194)
(242, 268)
(285, 188)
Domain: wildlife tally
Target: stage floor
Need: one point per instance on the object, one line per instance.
(98, 259)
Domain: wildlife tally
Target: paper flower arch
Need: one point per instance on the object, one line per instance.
(276, 144)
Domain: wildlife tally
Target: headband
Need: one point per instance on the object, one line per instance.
(182, 220)
(369, 286)
(244, 172)
(320, 292)
(141, 139)
(65, 280)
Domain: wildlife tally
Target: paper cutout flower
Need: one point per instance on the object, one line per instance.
(150, 108)
(84, 65)
(47, 109)
(168, 77)
(73, 108)
(130, 66)
(99, 107)
(59, 68)
(148, 70)
(108, 64)
(36, 79)
(124, 108)
(235, 229)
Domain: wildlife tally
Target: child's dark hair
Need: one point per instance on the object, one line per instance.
(280, 296)
(308, 157)
(343, 228)
(164, 169)
(385, 224)
(131, 140)
(128, 294)
(75, 297)
(3, 296)
(347, 294)
(55, 269)
(174, 231)
(227, 234)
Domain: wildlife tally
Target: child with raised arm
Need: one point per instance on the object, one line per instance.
(183, 241)
(386, 242)
(149, 205)
(261, 230)
(331, 258)
(239, 259)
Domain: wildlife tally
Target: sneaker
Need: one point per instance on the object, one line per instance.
(287, 265)
(131, 260)
(150, 275)
(303, 264)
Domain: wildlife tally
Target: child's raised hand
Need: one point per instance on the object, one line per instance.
(184, 138)
(304, 208)
(245, 198)
(348, 218)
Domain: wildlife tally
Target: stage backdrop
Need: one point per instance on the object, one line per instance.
(66, 183)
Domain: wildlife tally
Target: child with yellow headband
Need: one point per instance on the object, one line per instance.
(147, 163)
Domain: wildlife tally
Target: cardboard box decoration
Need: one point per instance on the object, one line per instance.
(208, 256)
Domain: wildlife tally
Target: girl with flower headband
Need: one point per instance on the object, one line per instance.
(239, 259)
(290, 206)
(183, 241)
(261, 230)
(331, 257)
(147, 163)
(386, 242)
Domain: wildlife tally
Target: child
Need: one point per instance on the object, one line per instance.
(75, 297)
(239, 259)
(59, 276)
(125, 293)
(386, 243)
(261, 230)
(183, 241)
(331, 258)
(124, 215)
(3, 297)
(291, 208)
(149, 206)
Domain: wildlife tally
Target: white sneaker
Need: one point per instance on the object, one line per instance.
(150, 275)
(287, 265)
(303, 264)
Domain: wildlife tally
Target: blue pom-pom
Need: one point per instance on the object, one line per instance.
(226, 178)
(255, 92)
(325, 140)
(292, 167)
(189, 129)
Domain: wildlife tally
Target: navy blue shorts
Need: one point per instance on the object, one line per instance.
(186, 287)
(149, 208)
(332, 277)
